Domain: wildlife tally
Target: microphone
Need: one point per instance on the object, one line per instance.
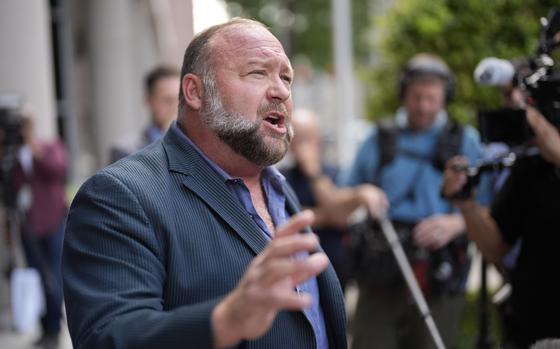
(493, 71)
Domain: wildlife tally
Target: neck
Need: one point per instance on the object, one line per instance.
(418, 128)
(159, 126)
(421, 127)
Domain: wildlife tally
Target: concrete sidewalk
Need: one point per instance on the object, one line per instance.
(13, 340)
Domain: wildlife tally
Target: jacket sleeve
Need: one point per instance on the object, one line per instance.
(114, 273)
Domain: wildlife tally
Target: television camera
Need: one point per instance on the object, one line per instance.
(539, 80)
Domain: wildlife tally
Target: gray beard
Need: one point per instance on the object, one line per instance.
(239, 133)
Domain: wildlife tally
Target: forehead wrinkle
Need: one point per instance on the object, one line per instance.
(246, 41)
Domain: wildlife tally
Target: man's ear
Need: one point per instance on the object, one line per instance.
(192, 91)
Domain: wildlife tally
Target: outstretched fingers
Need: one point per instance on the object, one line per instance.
(296, 270)
(269, 285)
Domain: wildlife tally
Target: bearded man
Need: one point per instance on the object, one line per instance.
(195, 241)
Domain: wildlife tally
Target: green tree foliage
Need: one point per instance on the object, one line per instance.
(462, 32)
(304, 26)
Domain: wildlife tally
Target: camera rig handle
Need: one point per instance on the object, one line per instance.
(495, 164)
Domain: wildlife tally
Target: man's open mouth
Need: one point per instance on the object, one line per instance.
(275, 119)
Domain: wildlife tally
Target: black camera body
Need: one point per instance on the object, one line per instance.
(10, 126)
(11, 139)
(504, 125)
(542, 85)
(11, 122)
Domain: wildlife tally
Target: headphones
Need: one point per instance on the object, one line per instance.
(423, 66)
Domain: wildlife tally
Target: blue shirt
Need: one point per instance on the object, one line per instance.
(272, 182)
(153, 133)
(412, 185)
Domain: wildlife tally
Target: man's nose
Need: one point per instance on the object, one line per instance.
(426, 104)
(279, 90)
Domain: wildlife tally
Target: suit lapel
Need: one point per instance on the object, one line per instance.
(202, 180)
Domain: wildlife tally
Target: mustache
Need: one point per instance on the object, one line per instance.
(273, 107)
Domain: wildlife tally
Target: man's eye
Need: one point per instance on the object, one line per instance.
(258, 72)
(287, 78)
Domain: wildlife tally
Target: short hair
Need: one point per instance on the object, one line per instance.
(156, 74)
(198, 59)
(427, 67)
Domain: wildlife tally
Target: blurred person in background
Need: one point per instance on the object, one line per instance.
(405, 157)
(525, 208)
(314, 181)
(39, 180)
(161, 86)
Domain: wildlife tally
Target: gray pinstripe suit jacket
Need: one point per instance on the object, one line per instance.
(153, 242)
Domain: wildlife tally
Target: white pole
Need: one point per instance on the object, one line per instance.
(111, 60)
(26, 63)
(344, 75)
(408, 274)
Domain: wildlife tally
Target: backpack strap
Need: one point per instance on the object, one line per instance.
(387, 133)
(448, 144)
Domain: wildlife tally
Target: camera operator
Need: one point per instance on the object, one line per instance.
(525, 208)
(39, 182)
(405, 157)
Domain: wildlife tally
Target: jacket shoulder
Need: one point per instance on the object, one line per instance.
(143, 166)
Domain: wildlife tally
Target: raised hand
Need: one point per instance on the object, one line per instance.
(269, 285)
